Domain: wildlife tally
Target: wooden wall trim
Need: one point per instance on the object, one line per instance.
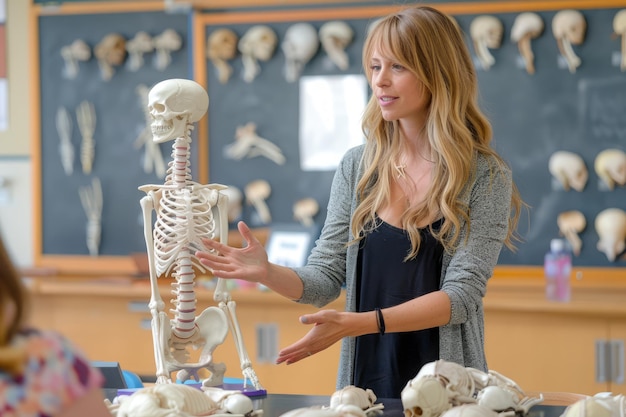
(99, 7)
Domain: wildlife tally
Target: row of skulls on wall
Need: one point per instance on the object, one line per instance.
(259, 43)
(114, 49)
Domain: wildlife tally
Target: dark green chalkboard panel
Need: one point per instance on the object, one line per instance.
(120, 119)
(532, 115)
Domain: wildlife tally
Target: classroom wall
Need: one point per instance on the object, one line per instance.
(15, 164)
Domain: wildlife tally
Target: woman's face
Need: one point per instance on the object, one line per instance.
(400, 94)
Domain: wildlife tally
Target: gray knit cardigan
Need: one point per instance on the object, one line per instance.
(464, 272)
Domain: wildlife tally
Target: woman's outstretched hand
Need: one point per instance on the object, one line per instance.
(249, 263)
(329, 328)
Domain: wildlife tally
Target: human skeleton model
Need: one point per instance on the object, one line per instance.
(86, 117)
(486, 33)
(571, 224)
(256, 193)
(569, 170)
(610, 225)
(610, 165)
(110, 52)
(182, 401)
(66, 149)
(167, 42)
(249, 145)
(186, 212)
(72, 54)
(257, 44)
(440, 386)
(235, 199)
(153, 158)
(527, 26)
(299, 45)
(619, 29)
(91, 199)
(221, 48)
(136, 47)
(569, 27)
(335, 36)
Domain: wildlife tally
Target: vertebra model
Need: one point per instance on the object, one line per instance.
(186, 213)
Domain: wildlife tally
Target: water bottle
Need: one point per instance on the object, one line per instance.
(557, 270)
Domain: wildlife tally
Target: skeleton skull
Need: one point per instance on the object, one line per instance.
(335, 36)
(222, 47)
(300, 45)
(569, 169)
(610, 225)
(425, 397)
(569, 27)
(257, 44)
(173, 104)
(486, 32)
(619, 29)
(610, 165)
(527, 26)
(110, 52)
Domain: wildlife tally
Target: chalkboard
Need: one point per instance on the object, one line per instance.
(532, 116)
(119, 120)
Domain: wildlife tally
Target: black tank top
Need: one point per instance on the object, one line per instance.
(386, 363)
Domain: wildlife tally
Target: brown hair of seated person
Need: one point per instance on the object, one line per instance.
(13, 308)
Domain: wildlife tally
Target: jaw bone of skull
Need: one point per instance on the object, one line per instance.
(610, 225)
(527, 26)
(569, 169)
(173, 104)
(568, 27)
(486, 32)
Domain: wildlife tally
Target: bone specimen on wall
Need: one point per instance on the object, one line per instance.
(569, 169)
(486, 32)
(571, 224)
(304, 210)
(257, 44)
(86, 117)
(221, 48)
(248, 144)
(610, 225)
(335, 36)
(256, 193)
(569, 28)
(66, 148)
(137, 47)
(110, 53)
(299, 45)
(610, 165)
(165, 43)
(72, 54)
(526, 27)
(619, 30)
(91, 199)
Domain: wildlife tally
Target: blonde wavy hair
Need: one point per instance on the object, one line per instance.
(430, 45)
(13, 307)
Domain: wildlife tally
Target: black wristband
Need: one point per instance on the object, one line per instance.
(380, 320)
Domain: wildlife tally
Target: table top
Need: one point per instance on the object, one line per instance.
(274, 405)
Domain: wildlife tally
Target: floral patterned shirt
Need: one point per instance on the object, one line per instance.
(55, 375)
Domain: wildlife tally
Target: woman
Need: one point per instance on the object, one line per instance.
(416, 218)
(41, 374)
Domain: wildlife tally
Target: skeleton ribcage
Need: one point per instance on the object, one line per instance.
(183, 219)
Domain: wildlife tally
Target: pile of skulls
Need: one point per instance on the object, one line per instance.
(447, 389)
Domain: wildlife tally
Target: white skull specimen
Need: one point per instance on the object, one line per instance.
(470, 410)
(365, 399)
(603, 404)
(136, 47)
(221, 48)
(167, 42)
(425, 397)
(501, 399)
(72, 54)
(527, 26)
(299, 45)
(486, 33)
(173, 104)
(611, 228)
(335, 36)
(610, 165)
(304, 211)
(110, 52)
(256, 193)
(569, 169)
(569, 28)
(571, 224)
(257, 44)
(619, 29)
